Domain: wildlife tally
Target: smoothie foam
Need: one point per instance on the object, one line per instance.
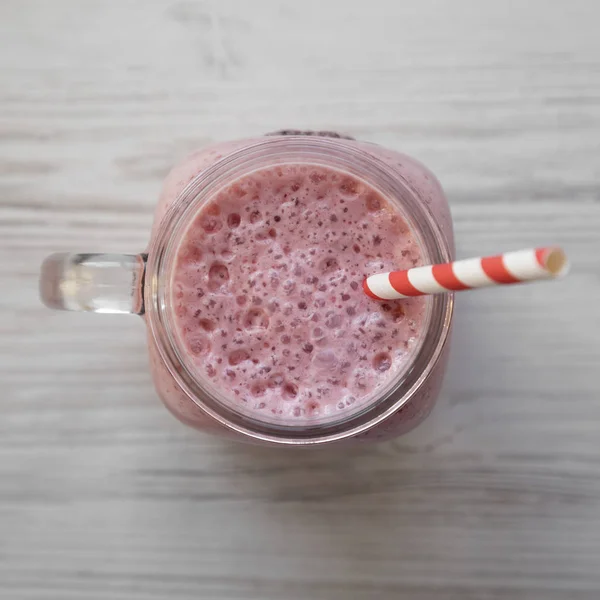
(267, 298)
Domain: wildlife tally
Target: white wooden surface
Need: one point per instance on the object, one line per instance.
(104, 496)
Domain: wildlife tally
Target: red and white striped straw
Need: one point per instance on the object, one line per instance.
(512, 267)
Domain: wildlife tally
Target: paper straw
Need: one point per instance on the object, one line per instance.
(512, 267)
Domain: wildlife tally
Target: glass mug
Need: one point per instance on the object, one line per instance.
(141, 284)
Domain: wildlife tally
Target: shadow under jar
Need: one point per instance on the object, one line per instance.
(250, 288)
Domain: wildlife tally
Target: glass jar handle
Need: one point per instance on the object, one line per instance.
(102, 283)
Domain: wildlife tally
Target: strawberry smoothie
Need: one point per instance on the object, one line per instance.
(267, 295)
(251, 289)
(264, 293)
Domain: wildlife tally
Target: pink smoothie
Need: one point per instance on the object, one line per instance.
(267, 293)
(425, 187)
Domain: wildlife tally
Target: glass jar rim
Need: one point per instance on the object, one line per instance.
(272, 151)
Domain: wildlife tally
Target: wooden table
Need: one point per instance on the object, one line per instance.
(497, 496)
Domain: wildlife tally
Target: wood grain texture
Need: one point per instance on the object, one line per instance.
(496, 497)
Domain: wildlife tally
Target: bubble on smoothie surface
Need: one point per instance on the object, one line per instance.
(267, 294)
